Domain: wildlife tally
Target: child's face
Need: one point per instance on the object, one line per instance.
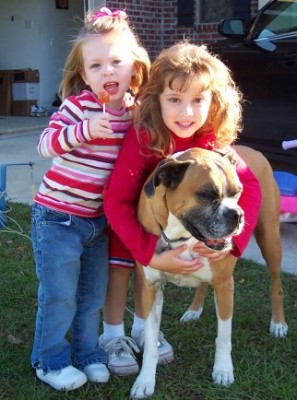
(108, 65)
(185, 112)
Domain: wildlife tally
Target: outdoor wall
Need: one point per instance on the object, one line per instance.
(35, 35)
(155, 22)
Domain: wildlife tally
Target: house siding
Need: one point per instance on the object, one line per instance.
(155, 22)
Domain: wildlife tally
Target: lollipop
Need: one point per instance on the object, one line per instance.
(104, 98)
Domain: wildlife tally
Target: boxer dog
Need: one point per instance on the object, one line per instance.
(193, 196)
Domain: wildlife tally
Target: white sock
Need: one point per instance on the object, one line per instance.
(138, 325)
(113, 331)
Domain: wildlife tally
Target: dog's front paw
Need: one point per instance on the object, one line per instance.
(142, 388)
(278, 329)
(222, 373)
(191, 315)
(223, 376)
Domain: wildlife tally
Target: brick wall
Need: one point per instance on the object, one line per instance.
(155, 22)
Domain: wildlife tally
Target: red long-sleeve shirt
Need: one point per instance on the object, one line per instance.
(133, 165)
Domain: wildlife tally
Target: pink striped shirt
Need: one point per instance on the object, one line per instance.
(81, 165)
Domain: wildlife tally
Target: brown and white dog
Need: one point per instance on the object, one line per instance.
(193, 196)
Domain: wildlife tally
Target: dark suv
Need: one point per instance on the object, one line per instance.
(262, 54)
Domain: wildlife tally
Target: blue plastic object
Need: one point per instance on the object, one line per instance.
(2, 194)
(287, 183)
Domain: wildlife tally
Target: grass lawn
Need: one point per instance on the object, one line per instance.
(265, 368)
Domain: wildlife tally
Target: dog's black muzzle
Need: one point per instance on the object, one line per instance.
(214, 228)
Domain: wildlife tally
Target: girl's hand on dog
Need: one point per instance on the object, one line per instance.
(169, 261)
(212, 255)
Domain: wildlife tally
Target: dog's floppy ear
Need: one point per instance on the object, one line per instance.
(169, 173)
(230, 155)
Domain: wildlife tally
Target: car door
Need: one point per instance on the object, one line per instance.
(264, 65)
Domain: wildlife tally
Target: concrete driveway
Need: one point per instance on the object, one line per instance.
(18, 140)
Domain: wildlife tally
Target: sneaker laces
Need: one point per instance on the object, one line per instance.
(123, 344)
(161, 339)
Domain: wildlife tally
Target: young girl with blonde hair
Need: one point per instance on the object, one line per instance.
(105, 67)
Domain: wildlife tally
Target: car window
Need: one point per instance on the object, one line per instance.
(279, 18)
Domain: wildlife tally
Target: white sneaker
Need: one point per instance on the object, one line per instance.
(97, 373)
(68, 378)
(121, 357)
(165, 349)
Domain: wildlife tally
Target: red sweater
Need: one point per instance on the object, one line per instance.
(133, 165)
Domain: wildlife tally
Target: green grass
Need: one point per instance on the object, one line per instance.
(265, 368)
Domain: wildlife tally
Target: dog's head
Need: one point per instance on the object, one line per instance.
(201, 190)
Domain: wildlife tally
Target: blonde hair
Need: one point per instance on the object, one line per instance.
(72, 82)
(182, 62)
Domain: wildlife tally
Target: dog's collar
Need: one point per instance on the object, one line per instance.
(168, 242)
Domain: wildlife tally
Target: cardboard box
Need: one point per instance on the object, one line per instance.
(22, 108)
(5, 92)
(25, 91)
(25, 75)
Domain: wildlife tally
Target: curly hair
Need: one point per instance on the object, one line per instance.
(180, 63)
(72, 82)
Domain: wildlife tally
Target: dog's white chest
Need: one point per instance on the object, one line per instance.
(193, 280)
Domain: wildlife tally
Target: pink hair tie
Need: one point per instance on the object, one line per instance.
(106, 12)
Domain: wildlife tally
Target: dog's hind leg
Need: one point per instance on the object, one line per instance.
(267, 234)
(195, 309)
(144, 386)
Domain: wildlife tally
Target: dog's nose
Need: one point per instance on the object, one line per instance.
(234, 215)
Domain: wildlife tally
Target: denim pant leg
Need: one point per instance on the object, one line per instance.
(91, 294)
(58, 244)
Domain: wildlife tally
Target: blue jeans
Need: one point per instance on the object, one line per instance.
(71, 257)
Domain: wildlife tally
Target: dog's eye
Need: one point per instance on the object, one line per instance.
(235, 193)
(209, 193)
